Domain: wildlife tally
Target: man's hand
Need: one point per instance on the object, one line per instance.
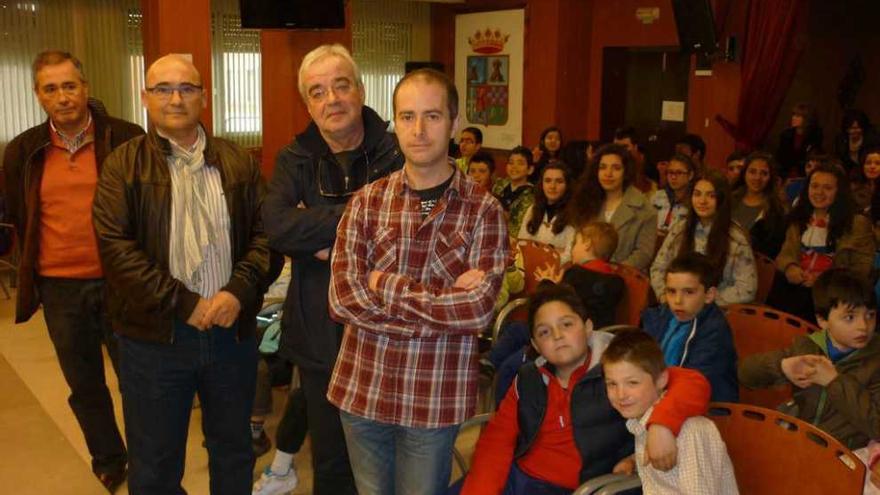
(825, 372)
(661, 451)
(799, 370)
(323, 254)
(223, 311)
(627, 466)
(469, 279)
(198, 314)
(373, 280)
(794, 274)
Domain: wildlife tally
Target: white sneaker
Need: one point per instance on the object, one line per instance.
(271, 483)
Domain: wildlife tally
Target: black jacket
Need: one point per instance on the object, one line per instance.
(792, 159)
(307, 196)
(131, 213)
(23, 169)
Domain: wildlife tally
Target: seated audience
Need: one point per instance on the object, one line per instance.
(556, 429)
(548, 149)
(797, 141)
(469, 142)
(856, 134)
(793, 187)
(636, 377)
(734, 166)
(864, 184)
(691, 328)
(515, 192)
(671, 202)
(709, 230)
(693, 146)
(836, 371)
(757, 204)
(605, 193)
(514, 280)
(823, 231)
(546, 221)
(594, 281)
(481, 169)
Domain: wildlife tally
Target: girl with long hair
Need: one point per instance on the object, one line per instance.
(757, 203)
(606, 193)
(546, 220)
(709, 230)
(671, 202)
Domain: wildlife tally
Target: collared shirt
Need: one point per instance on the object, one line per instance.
(703, 466)
(409, 352)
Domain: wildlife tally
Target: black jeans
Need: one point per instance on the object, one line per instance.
(76, 318)
(308, 408)
(158, 384)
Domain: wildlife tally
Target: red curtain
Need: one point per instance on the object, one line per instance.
(774, 40)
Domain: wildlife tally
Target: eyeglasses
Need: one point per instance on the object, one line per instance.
(166, 91)
(339, 88)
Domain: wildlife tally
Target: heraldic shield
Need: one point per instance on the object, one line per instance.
(488, 89)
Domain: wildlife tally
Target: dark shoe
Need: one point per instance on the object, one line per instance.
(112, 481)
(261, 445)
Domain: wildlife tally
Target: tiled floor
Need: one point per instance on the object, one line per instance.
(43, 449)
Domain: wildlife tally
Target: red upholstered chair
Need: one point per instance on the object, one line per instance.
(536, 255)
(773, 453)
(759, 329)
(635, 298)
(766, 268)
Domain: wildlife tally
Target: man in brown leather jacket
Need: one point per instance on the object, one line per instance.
(177, 213)
(51, 172)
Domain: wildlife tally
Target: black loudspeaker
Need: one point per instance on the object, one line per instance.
(411, 66)
(292, 14)
(696, 27)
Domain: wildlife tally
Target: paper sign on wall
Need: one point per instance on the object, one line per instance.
(673, 111)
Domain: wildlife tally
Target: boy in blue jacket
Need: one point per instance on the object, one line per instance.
(691, 328)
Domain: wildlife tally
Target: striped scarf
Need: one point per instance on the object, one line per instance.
(192, 219)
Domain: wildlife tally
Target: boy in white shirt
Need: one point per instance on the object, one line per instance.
(636, 377)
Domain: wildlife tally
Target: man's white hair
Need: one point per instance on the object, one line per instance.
(320, 53)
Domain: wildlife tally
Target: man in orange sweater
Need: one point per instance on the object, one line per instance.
(51, 172)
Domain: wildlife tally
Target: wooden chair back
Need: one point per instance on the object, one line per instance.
(773, 453)
(759, 329)
(766, 268)
(635, 297)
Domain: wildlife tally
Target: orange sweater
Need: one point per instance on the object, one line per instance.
(68, 247)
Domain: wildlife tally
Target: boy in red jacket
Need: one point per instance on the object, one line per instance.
(555, 428)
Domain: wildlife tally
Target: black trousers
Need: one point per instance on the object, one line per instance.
(76, 318)
(308, 410)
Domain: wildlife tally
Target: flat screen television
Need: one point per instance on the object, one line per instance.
(292, 14)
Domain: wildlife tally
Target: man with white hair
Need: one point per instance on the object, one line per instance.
(344, 147)
(177, 215)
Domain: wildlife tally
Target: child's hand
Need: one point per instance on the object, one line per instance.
(825, 372)
(794, 274)
(661, 451)
(627, 466)
(799, 370)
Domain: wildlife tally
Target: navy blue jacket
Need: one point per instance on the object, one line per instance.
(708, 350)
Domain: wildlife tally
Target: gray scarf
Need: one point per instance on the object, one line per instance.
(192, 220)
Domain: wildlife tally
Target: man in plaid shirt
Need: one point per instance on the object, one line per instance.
(416, 268)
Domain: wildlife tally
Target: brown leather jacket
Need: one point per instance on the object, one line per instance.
(23, 170)
(131, 216)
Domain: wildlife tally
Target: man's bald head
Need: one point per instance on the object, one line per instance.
(172, 62)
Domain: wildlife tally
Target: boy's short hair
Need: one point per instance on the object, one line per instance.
(735, 155)
(551, 292)
(603, 237)
(696, 264)
(483, 157)
(523, 151)
(838, 286)
(476, 133)
(637, 348)
(695, 142)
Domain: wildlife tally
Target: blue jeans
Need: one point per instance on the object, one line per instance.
(390, 459)
(158, 384)
(76, 319)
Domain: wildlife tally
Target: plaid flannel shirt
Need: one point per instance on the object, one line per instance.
(409, 352)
